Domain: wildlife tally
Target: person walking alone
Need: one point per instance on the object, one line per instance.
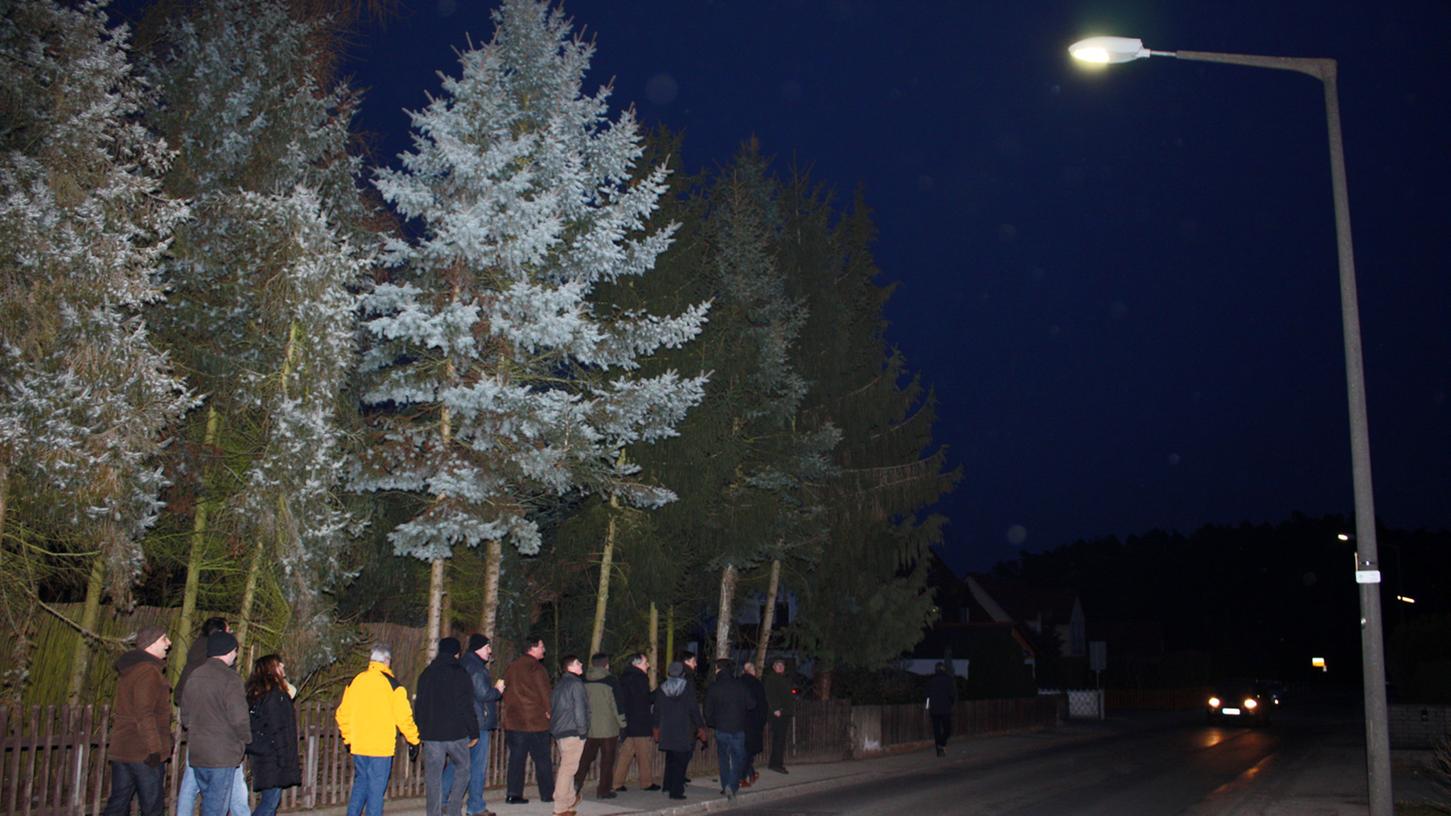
(941, 698)
(140, 726)
(273, 750)
(678, 725)
(781, 697)
(569, 724)
(447, 726)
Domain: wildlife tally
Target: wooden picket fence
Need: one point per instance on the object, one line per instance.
(53, 757)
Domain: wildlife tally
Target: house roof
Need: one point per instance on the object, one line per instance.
(964, 639)
(1020, 601)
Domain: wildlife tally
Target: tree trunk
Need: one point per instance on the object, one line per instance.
(435, 605)
(669, 633)
(254, 570)
(728, 576)
(823, 683)
(4, 494)
(768, 616)
(81, 658)
(602, 595)
(493, 562)
(186, 622)
(654, 649)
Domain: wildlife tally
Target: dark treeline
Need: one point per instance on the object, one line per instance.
(1263, 599)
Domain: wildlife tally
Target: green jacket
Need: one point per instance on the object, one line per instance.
(605, 719)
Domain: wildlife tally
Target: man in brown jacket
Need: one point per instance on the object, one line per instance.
(525, 717)
(214, 712)
(140, 725)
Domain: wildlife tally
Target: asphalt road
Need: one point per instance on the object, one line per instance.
(1305, 763)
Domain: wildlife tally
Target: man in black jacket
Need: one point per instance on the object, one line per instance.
(755, 723)
(636, 703)
(487, 693)
(727, 707)
(447, 726)
(941, 696)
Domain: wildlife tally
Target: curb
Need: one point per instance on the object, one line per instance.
(718, 805)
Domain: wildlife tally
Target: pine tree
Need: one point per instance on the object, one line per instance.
(262, 309)
(85, 396)
(498, 387)
(866, 600)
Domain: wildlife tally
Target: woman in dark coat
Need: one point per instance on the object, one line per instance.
(755, 722)
(678, 723)
(273, 749)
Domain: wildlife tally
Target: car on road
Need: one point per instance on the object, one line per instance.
(1240, 701)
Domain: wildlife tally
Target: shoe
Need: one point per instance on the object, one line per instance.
(622, 789)
(687, 780)
(677, 796)
(942, 752)
(515, 800)
(608, 795)
(754, 777)
(651, 788)
(779, 769)
(731, 795)
(550, 799)
(746, 783)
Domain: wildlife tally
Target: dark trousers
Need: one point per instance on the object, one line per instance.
(780, 731)
(606, 748)
(675, 764)
(941, 729)
(134, 779)
(534, 744)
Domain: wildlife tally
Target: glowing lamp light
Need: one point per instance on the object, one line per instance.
(1214, 702)
(1251, 703)
(1318, 663)
(1405, 599)
(1108, 50)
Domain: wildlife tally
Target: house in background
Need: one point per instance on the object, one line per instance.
(1041, 611)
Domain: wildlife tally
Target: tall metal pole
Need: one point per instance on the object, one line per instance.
(1367, 565)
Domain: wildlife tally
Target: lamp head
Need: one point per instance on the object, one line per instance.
(1108, 50)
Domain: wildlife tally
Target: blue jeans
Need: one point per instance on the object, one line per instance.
(214, 785)
(267, 802)
(134, 779)
(370, 782)
(186, 797)
(730, 748)
(478, 767)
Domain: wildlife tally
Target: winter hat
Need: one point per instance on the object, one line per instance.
(147, 635)
(676, 669)
(477, 641)
(448, 646)
(220, 643)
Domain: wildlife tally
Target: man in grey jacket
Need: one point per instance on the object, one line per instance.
(569, 723)
(214, 713)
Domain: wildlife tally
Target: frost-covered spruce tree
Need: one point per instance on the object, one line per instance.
(499, 385)
(85, 396)
(261, 308)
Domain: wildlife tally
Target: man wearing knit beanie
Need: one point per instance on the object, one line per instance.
(486, 694)
(447, 725)
(214, 713)
(140, 725)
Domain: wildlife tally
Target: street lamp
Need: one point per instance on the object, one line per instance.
(1112, 50)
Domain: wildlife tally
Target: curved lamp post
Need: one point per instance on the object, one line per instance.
(1112, 50)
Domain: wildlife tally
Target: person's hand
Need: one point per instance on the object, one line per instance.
(473, 742)
(655, 732)
(776, 713)
(499, 684)
(413, 753)
(700, 735)
(153, 760)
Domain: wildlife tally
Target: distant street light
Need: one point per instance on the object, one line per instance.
(1112, 50)
(1405, 599)
(1343, 536)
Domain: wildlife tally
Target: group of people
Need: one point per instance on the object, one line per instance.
(590, 714)
(226, 720)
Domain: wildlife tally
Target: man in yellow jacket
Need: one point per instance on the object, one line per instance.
(374, 709)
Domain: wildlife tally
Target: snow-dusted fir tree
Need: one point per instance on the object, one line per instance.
(85, 396)
(261, 309)
(499, 385)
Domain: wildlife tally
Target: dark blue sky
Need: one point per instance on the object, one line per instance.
(1122, 284)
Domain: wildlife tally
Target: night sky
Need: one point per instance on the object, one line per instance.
(1122, 284)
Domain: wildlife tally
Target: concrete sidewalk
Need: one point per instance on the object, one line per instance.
(703, 793)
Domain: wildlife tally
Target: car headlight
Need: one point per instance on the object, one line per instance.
(1251, 703)
(1214, 702)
